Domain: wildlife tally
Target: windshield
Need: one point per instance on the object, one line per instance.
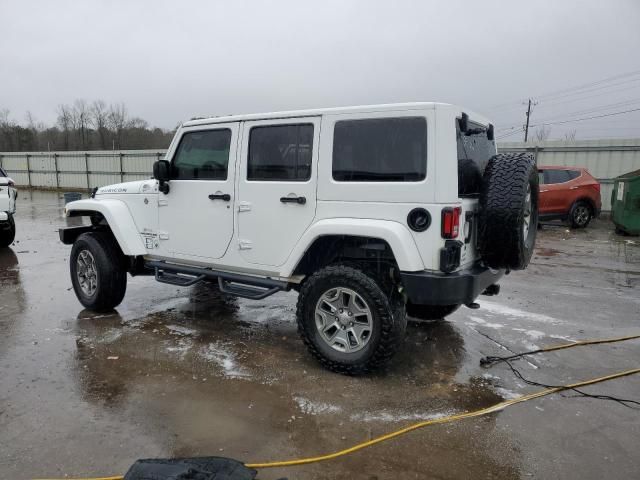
(474, 151)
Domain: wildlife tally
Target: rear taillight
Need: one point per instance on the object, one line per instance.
(451, 222)
(11, 184)
(595, 186)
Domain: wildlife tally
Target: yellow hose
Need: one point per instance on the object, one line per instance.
(588, 342)
(452, 418)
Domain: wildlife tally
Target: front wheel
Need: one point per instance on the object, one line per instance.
(349, 325)
(98, 273)
(7, 232)
(580, 215)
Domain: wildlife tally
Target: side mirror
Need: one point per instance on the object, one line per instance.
(161, 172)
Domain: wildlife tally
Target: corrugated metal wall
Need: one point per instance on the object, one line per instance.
(605, 159)
(79, 170)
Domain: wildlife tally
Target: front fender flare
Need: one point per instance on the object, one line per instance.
(119, 219)
(395, 234)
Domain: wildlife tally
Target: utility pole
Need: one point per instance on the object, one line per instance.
(526, 128)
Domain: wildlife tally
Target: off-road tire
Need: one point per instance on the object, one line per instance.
(501, 239)
(110, 268)
(7, 232)
(577, 214)
(430, 312)
(388, 318)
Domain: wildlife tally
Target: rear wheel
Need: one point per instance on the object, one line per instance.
(580, 214)
(98, 272)
(349, 325)
(7, 232)
(430, 312)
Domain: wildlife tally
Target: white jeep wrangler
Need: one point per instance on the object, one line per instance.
(8, 195)
(370, 213)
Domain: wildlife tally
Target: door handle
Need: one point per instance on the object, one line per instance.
(298, 200)
(220, 196)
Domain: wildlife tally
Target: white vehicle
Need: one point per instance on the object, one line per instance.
(8, 195)
(370, 213)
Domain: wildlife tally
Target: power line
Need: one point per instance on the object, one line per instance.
(587, 118)
(500, 137)
(592, 84)
(589, 90)
(575, 89)
(580, 112)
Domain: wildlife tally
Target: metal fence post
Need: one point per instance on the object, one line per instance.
(121, 169)
(28, 171)
(55, 164)
(86, 166)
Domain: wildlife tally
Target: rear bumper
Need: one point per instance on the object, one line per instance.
(462, 287)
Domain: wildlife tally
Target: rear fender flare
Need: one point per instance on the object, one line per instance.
(395, 234)
(119, 219)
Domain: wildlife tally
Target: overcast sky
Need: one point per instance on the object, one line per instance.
(172, 60)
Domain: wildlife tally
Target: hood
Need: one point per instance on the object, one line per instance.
(140, 186)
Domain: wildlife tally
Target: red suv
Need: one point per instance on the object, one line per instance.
(568, 193)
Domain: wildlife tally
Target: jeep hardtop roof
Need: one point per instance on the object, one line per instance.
(335, 111)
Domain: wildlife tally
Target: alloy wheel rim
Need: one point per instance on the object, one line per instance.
(87, 273)
(581, 215)
(343, 320)
(526, 223)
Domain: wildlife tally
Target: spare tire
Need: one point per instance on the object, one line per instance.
(508, 211)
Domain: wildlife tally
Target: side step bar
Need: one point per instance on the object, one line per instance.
(236, 284)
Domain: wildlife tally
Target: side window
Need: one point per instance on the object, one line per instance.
(3, 173)
(202, 155)
(556, 176)
(541, 177)
(573, 174)
(280, 153)
(380, 150)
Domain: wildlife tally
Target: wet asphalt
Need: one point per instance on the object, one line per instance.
(187, 372)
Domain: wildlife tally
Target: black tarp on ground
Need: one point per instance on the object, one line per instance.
(198, 468)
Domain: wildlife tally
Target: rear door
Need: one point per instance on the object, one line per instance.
(276, 187)
(557, 191)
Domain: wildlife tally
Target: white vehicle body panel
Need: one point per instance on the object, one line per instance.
(191, 226)
(269, 229)
(257, 234)
(119, 218)
(8, 195)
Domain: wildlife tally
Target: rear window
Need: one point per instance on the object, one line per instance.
(3, 173)
(474, 151)
(380, 150)
(559, 176)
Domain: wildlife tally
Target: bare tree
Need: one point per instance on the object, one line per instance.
(118, 121)
(65, 121)
(81, 119)
(542, 133)
(4, 117)
(570, 136)
(100, 120)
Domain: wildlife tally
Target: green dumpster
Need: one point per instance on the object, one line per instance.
(625, 203)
